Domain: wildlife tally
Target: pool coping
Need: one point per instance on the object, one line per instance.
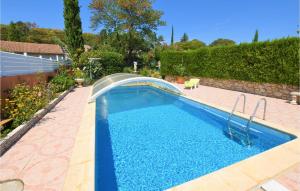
(243, 175)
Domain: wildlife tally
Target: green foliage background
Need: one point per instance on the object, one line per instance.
(62, 81)
(73, 29)
(222, 42)
(188, 45)
(23, 102)
(271, 61)
(44, 35)
(109, 63)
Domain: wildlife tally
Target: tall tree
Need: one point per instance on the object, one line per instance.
(189, 45)
(73, 30)
(184, 38)
(255, 39)
(134, 19)
(160, 40)
(18, 31)
(222, 42)
(172, 36)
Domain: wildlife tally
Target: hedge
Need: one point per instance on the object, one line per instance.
(274, 61)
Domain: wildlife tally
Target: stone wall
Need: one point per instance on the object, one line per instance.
(280, 91)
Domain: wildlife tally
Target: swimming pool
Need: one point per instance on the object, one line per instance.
(148, 139)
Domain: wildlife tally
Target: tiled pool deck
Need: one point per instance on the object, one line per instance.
(41, 157)
(278, 111)
(57, 154)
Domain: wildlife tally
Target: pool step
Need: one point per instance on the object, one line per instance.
(244, 129)
(238, 132)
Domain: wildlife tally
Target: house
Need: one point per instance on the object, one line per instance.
(47, 51)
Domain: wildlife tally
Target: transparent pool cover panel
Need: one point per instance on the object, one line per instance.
(108, 82)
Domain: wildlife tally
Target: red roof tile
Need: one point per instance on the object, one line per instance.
(18, 47)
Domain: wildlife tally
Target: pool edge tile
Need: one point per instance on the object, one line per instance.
(80, 174)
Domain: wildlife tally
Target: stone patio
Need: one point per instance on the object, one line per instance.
(41, 157)
(278, 111)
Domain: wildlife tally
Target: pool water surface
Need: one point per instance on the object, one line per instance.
(148, 139)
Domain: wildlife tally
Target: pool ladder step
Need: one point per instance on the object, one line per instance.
(241, 132)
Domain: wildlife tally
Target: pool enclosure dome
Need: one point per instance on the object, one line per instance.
(109, 82)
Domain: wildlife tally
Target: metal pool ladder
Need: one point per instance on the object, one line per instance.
(233, 110)
(246, 128)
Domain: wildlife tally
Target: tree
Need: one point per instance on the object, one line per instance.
(44, 35)
(190, 45)
(18, 31)
(255, 39)
(184, 38)
(73, 30)
(222, 42)
(91, 39)
(172, 36)
(135, 20)
(159, 41)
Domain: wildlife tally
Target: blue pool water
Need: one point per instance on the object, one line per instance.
(148, 139)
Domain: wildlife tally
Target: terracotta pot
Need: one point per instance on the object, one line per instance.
(180, 79)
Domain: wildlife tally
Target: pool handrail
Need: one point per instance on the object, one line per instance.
(233, 110)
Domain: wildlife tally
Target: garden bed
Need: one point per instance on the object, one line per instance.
(12, 137)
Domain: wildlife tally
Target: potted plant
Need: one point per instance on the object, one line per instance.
(180, 74)
(79, 77)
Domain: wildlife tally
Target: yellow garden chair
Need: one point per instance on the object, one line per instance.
(195, 82)
(188, 84)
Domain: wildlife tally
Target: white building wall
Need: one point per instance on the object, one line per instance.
(48, 56)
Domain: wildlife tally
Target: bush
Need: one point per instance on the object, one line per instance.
(149, 73)
(62, 81)
(108, 63)
(24, 101)
(78, 73)
(155, 74)
(148, 59)
(145, 72)
(222, 42)
(127, 70)
(189, 45)
(271, 62)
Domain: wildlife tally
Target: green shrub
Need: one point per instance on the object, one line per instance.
(127, 70)
(108, 63)
(189, 45)
(272, 62)
(145, 72)
(61, 82)
(24, 101)
(155, 74)
(222, 42)
(149, 72)
(78, 73)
